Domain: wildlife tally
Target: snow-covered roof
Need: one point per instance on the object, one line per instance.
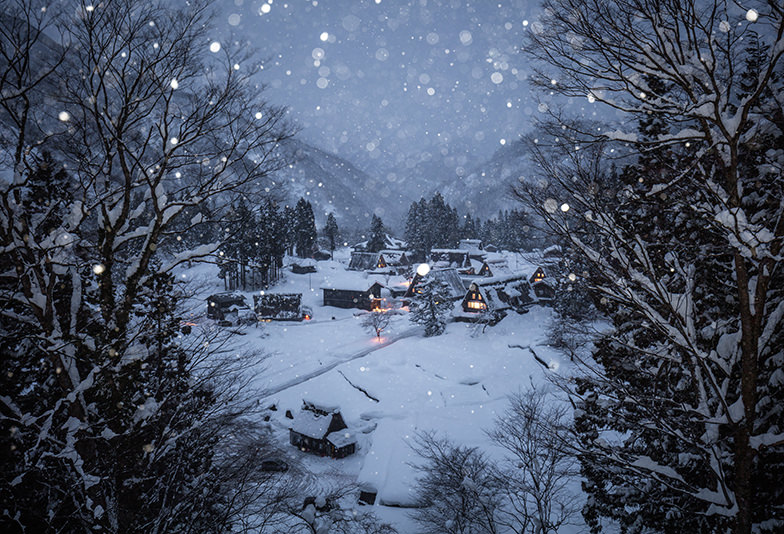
(489, 296)
(450, 277)
(498, 267)
(364, 261)
(394, 256)
(476, 264)
(316, 406)
(353, 285)
(500, 279)
(341, 438)
(448, 251)
(471, 244)
(311, 424)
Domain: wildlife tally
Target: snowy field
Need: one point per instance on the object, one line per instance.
(388, 389)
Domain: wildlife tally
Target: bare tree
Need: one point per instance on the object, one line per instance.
(377, 321)
(539, 477)
(28, 59)
(112, 416)
(457, 491)
(332, 510)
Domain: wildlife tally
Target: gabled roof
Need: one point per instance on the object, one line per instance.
(502, 279)
(315, 421)
(458, 257)
(495, 303)
(395, 257)
(497, 267)
(455, 286)
(365, 261)
(341, 438)
(471, 244)
(448, 251)
(311, 424)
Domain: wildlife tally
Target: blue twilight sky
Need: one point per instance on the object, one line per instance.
(391, 84)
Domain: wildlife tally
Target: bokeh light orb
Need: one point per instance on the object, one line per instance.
(423, 269)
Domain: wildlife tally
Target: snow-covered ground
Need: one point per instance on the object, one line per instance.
(388, 390)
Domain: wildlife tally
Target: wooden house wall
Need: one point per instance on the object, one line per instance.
(474, 296)
(348, 298)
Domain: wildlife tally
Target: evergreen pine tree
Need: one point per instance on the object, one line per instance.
(378, 239)
(239, 245)
(289, 229)
(416, 226)
(272, 240)
(431, 305)
(441, 223)
(331, 232)
(305, 229)
(469, 228)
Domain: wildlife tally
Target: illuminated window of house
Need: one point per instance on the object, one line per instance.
(476, 305)
(538, 276)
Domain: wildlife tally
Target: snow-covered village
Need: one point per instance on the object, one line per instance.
(392, 266)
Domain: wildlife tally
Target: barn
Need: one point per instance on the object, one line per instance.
(354, 295)
(482, 304)
(320, 429)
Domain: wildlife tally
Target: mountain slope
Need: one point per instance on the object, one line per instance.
(331, 184)
(486, 188)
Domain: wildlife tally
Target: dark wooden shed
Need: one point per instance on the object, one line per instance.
(358, 296)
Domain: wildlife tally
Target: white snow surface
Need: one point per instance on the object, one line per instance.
(455, 384)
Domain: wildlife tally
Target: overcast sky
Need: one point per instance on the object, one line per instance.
(388, 83)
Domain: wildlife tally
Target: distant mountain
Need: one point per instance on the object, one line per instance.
(332, 185)
(335, 185)
(486, 186)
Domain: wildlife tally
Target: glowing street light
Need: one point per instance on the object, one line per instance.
(423, 269)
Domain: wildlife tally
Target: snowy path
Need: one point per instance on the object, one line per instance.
(349, 357)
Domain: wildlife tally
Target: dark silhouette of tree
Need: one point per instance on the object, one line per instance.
(378, 236)
(332, 233)
(682, 250)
